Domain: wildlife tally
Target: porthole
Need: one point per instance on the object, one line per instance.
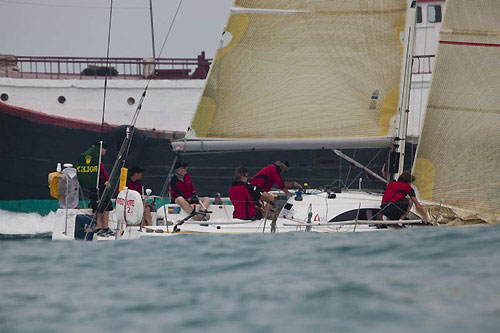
(4, 97)
(61, 99)
(131, 101)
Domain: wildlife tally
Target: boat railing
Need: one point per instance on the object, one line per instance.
(48, 67)
(423, 64)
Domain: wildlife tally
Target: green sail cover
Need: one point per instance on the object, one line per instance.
(88, 167)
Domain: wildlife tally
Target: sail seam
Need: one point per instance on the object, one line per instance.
(455, 108)
(319, 12)
(469, 43)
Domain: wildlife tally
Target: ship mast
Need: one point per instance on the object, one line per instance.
(152, 28)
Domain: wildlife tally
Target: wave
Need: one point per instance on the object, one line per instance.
(25, 225)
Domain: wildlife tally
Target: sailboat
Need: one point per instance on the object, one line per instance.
(303, 75)
(457, 157)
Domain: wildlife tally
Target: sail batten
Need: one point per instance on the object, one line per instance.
(299, 69)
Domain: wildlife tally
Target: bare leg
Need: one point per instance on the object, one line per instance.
(186, 206)
(105, 220)
(206, 202)
(99, 221)
(267, 197)
(146, 218)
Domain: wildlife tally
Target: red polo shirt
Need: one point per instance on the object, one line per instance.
(266, 178)
(103, 176)
(136, 186)
(396, 191)
(244, 206)
(182, 188)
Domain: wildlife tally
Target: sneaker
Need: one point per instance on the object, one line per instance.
(101, 232)
(109, 232)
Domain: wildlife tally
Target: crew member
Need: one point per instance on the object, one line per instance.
(241, 193)
(134, 183)
(399, 197)
(183, 192)
(102, 226)
(271, 175)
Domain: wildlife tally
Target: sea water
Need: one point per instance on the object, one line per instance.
(441, 279)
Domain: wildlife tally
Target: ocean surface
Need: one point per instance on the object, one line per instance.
(443, 279)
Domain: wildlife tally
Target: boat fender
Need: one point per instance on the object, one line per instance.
(123, 178)
(116, 139)
(129, 207)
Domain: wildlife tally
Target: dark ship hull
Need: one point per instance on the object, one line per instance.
(33, 143)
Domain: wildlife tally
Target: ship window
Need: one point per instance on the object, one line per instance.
(419, 14)
(130, 101)
(434, 13)
(61, 99)
(4, 97)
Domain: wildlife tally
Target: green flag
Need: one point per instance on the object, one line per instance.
(88, 167)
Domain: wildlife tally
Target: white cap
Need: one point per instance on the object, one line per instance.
(68, 165)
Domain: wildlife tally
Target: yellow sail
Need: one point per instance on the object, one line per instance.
(458, 155)
(305, 70)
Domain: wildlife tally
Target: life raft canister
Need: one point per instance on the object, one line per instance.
(129, 207)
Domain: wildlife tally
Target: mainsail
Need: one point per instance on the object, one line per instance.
(297, 73)
(458, 155)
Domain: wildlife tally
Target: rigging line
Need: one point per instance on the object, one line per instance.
(139, 106)
(350, 167)
(361, 172)
(169, 177)
(404, 92)
(107, 68)
(127, 140)
(170, 28)
(122, 154)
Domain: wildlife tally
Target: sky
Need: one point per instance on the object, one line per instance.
(80, 27)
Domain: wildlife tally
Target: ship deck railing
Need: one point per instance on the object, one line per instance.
(85, 68)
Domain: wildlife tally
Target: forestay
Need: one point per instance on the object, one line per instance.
(458, 155)
(316, 70)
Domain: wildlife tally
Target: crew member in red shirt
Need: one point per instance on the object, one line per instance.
(96, 196)
(183, 192)
(242, 194)
(271, 175)
(399, 197)
(134, 183)
(134, 179)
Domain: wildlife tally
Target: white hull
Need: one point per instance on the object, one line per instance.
(347, 212)
(171, 101)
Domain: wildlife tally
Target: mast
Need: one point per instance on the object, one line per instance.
(152, 28)
(406, 84)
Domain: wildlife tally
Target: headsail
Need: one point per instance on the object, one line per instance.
(313, 70)
(458, 155)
